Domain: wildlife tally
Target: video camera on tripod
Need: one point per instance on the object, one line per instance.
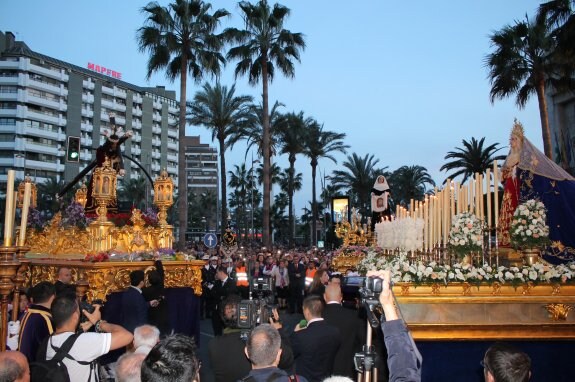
(257, 311)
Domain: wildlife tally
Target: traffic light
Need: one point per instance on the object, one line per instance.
(73, 149)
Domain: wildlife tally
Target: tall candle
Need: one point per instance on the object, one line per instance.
(8, 220)
(480, 196)
(25, 207)
(426, 223)
(496, 192)
(488, 196)
(13, 220)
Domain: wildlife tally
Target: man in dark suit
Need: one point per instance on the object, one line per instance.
(134, 306)
(348, 323)
(296, 272)
(315, 346)
(226, 352)
(223, 287)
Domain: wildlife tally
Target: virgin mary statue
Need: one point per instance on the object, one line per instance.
(528, 174)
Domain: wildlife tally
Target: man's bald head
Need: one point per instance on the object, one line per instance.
(14, 367)
(332, 293)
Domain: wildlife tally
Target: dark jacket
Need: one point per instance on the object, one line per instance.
(269, 374)
(294, 269)
(348, 323)
(314, 349)
(158, 315)
(228, 360)
(134, 309)
(36, 325)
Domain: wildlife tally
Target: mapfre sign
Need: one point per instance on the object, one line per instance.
(103, 70)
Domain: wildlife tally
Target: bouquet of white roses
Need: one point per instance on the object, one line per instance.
(466, 234)
(529, 227)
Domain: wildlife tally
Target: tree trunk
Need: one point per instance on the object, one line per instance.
(290, 200)
(224, 215)
(544, 115)
(182, 174)
(313, 204)
(266, 152)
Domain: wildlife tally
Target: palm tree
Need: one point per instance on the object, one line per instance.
(47, 191)
(473, 158)
(409, 182)
(358, 178)
(291, 133)
(320, 144)
(240, 180)
(253, 133)
(291, 182)
(180, 39)
(263, 45)
(524, 64)
(560, 15)
(133, 190)
(221, 111)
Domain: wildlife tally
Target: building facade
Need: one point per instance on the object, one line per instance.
(43, 101)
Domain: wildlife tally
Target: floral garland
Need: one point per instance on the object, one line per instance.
(420, 273)
(466, 234)
(529, 227)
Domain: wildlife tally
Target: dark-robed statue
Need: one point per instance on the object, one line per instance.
(380, 201)
(110, 149)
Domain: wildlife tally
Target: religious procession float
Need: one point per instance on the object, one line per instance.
(469, 266)
(100, 252)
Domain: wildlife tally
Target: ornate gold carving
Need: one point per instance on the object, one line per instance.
(108, 277)
(556, 289)
(435, 289)
(527, 288)
(81, 195)
(352, 232)
(33, 195)
(405, 290)
(558, 312)
(163, 195)
(466, 289)
(496, 288)
(343, 262)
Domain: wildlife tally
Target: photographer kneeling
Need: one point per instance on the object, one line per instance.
(402, 354)
(226, 352)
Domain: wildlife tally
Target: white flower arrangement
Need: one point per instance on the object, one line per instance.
(466, 234)
(419, 272)
(529, 227)
(405, 234)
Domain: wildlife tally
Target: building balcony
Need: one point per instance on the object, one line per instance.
(12, 65)
(172, 133)
(40, 148)
(41, 133)
(87, 84)
(119, 107)
(156, 130)
(137, 111)
(87, 113)
(87, 127)
(87, 141)
(137, 98)
(58, 74)
(173, 158)
(11, 95)
(107, 90)
(157, 117)
(86, 155)
(156, 142)
(40, 85)
(173, 146)
(55, 120)
(156, 155)
(137, 138)
(156, 167)
(120, 93)
(89, 98)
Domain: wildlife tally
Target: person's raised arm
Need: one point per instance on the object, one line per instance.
(120, 336)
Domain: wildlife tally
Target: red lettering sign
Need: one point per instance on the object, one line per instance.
(104, 70)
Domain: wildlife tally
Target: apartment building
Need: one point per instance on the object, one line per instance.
(43, 101)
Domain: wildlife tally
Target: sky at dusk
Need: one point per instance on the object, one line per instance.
(404, 80)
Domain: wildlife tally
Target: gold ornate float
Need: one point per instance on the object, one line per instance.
(97, 280)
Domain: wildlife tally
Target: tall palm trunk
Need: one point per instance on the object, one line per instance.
(313, 204)
(266, 152)
(544, 116)
(224, 214)
(182, 175)
(290, 198)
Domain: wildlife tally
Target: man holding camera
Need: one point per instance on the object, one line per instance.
(87, 347)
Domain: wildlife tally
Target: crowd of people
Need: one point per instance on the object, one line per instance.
(56, 328)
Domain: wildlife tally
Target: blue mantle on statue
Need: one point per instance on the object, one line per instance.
(558, 196)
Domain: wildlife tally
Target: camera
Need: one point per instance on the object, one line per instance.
(369, 292)
(89, 308)
(252, 313)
